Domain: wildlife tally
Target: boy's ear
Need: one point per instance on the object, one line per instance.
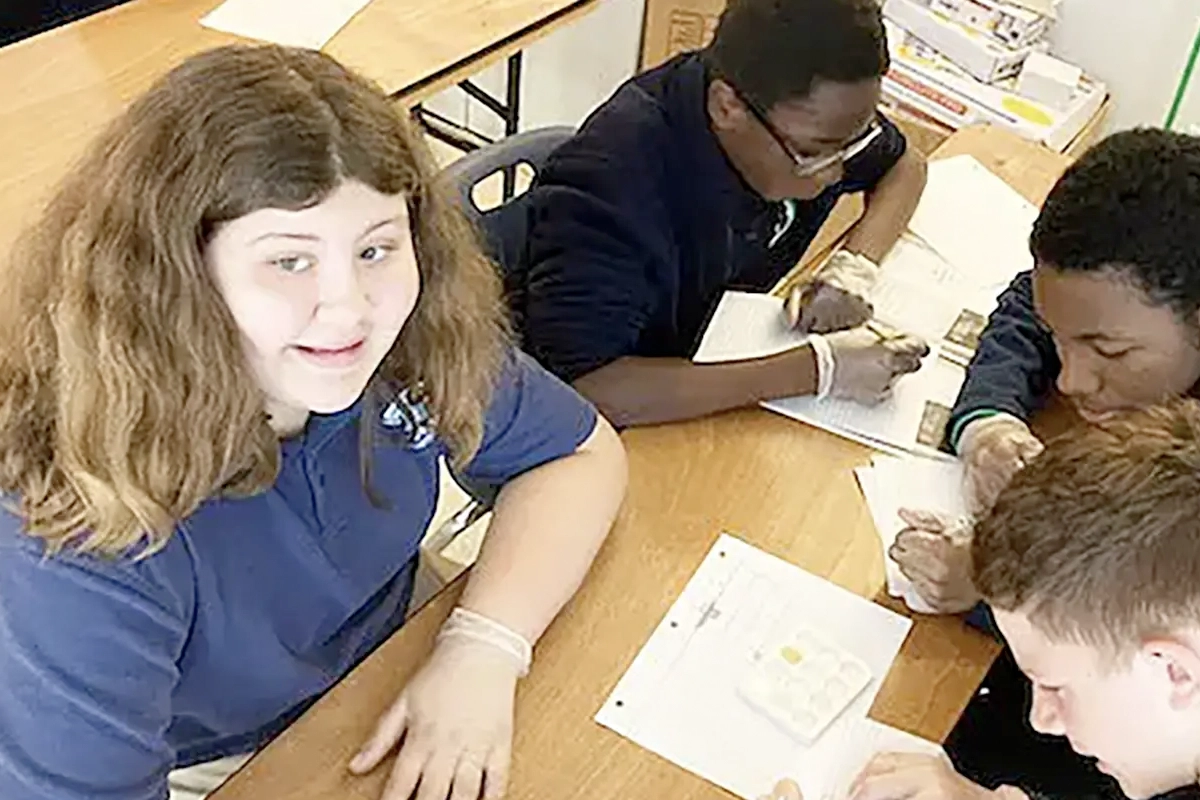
(1179, 658)
(724, 108)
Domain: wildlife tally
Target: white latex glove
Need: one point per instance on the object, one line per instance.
(934, 553)
(858, 365)
(994, 449)
(835, 298)
(456, 721)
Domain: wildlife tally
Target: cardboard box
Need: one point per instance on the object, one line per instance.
(1012, 26)
(1047, 8)
(673, 26)
(977, 53)
(972, 13)
(926, 82)
(1049, 80)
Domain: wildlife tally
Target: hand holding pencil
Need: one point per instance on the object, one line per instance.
(864, 363)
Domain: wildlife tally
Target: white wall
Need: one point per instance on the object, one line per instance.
(566, 74)
(1137, 47)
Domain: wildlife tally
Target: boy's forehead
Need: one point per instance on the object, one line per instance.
(1035, 652)
(1047, 658)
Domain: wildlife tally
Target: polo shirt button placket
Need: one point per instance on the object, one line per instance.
(316, 484)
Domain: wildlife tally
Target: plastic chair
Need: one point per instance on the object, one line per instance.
(504, 230)
(505, 227)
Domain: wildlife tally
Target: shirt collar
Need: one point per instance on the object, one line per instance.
(319, 430)
(405, 417)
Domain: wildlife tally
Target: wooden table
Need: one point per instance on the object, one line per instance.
(58, 88)
(785, 487)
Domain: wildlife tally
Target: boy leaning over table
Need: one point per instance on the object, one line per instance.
(711, 172)
(1089, 562)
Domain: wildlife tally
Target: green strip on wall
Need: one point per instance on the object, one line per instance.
(1181, 91)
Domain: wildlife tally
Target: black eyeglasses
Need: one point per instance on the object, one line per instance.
(807, 166)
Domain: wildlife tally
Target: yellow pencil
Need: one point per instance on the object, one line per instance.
(885, 333)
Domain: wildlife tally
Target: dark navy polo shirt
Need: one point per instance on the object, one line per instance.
(113, 672)
(639, 223)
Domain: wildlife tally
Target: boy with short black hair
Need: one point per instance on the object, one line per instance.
(715, 171)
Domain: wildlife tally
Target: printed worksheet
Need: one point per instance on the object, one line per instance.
(691, 690)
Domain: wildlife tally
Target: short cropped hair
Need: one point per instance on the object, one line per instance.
(1098, 540)
(1130, 206)
(777, 50)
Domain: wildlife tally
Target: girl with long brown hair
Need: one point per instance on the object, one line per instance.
(235, 345)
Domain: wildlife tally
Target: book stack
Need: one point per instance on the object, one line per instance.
(966, 62)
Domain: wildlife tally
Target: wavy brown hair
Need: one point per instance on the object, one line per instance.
(125, 396)
(1098, 540)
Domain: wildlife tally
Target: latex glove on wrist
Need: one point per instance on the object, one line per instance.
(835, 298)
(934, 552)
(455, 719)
(906, 776)
(859, 365)
(994, 449)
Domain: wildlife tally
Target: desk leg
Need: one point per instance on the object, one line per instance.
(512, 119)
(465, 139)
(448, 131)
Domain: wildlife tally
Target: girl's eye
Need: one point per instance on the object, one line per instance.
(376, 253)
(294, 263)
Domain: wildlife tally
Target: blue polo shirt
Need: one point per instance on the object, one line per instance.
(114, 672)
(639, 223)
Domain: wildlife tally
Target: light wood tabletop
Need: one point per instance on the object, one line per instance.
(784, 487)
(58, 89)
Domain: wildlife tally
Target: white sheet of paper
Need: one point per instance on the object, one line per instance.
(879, 505)
(679, 696)
(924, 484)
(894, 422)
(310, 24)
(865, 740)
(914, 482)
(746, 325)
(976, 221)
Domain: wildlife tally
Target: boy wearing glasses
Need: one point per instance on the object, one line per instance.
(715, 171)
